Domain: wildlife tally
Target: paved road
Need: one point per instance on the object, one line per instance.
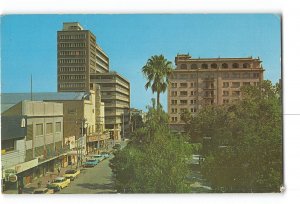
(93, 180)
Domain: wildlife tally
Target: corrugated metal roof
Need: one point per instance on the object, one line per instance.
(10, 99)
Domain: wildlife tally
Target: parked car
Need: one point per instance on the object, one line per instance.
(90, 163)
(61, 182)
(43, 191)
(117, 146)
(71, 174)
(99, 158)
(53, 187)
(105, 154)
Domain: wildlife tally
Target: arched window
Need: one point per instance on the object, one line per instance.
(183, 66)
(214, 66)
(194, 66)
(224, 66)
(204, 66)
(235, 65)
(246, 65)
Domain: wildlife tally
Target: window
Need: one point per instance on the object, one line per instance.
(183, 93)
(174, 110)
(193, 101)
(182, 110)
(246, 84)
(235, 84)
(174, 93)
(39, 130)
(174, 102)
(174, 85)
(204, 66)
(183, 102)
(8, 145)
(192, 93)
(183, 66)
(256, 83)
(194, 66)
(225, 93)
(246, 65)
(246, 75)
(183, 85)
(58, 127)
(174, 119)
(193, 110)
(236, 93)
(193, 84)
(255, 75)
(214, 66)
(49, 128)
(225, 101)
(225, 84)
(224, 66)
(235, 65)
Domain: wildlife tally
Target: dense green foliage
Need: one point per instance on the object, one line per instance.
(154, 161)
(157, 70)
(242, 141)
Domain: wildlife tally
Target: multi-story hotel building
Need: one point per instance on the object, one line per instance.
(82, 64)
(78, 55)
(197, 82)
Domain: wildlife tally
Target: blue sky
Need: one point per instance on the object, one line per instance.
(28, 45)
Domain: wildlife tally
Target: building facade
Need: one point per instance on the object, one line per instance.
(78, 55)
(32, 139)
(197, 82)
(82, 65)
(115, 93)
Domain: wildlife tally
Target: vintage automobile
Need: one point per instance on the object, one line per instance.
(43, 191)
(105, 154)
(61, 182)
(53, 187)
(90, 163)
(99, 158)
(71, 174)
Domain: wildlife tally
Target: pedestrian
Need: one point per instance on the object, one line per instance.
(48, 183)
(58, 170)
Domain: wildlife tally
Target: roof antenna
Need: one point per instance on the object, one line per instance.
(31, 87)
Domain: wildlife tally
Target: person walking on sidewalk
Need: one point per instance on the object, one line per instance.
(58, 170)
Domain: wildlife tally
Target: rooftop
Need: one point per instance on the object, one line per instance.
(10, 99)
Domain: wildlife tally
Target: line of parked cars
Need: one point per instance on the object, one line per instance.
(95, 159)
(64, 181)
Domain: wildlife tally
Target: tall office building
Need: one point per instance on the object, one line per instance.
(82, 64)
(78, 55)
(197, 82)
(115, 93)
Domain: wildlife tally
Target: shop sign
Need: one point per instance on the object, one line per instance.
(12, 178)
(26, 165)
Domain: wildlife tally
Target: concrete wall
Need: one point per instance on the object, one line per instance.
(15, 157)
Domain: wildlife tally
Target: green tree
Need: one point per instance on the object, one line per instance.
(243, 141)
(157, 70)
(155, 160)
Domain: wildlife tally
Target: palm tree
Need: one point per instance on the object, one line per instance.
(157, 70)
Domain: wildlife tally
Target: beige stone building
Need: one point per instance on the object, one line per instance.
(197, 82)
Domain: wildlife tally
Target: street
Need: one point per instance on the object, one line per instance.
(98, 179)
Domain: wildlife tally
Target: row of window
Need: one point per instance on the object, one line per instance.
(234, 93)
(75, 52)
(216, 66)
(72, 37)
(72, 85)
(207, 86)
(71, 77)
(39, 128)
(68, 45)
(71, 61)
(72, 69)
(182, 110)
(205, 76)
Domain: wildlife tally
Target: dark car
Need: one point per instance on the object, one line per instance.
(55, 188)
